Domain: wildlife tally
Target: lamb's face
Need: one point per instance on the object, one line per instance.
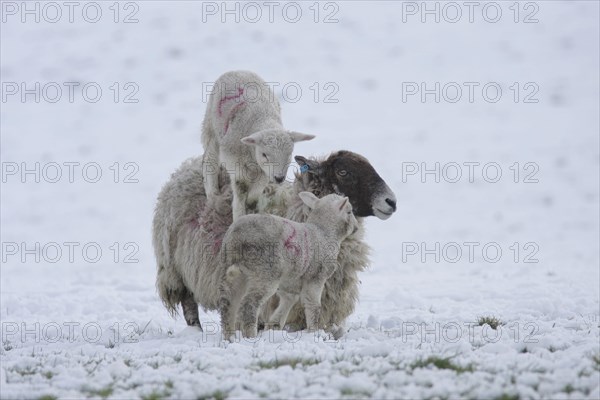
(332, 211)
(351, 175)
(274, 154)
(273, 151)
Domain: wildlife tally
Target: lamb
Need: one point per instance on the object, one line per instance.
(242, 129)
(265, 254)
(188, 230)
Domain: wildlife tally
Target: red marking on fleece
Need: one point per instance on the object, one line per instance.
(292, 248)
(217, 245)
(227, 98)
(231, 114)
(288, 242)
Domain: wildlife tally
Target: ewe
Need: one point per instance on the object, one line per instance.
(188, 229)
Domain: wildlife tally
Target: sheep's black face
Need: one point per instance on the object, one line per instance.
(351, 175)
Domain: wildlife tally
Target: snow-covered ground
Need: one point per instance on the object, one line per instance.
(80, 315)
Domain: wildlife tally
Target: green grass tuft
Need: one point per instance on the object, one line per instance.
(292, 362)
(48, 374)
(216, 395)
(154, 395)
(157, 395)
(493, 322)
(596, 362)
(441, 363)
(103, 393)
(568, 389)
(25, 371)
(508, 397)
(355, 393)
(47, 397)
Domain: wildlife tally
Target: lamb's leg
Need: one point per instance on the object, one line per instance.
(251, 304)
(255, 194)
(311, 300)
(227, 317)
(279, 316)
(233, 288)
(190, 310)
(240, 194)
(210, 166)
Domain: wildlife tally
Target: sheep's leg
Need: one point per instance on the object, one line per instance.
(279, 316)
(171, 288)
(190, 310)
(311, 300)
(250, 305)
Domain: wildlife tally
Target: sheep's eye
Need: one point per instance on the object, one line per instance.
(264, 155)
(342, 172)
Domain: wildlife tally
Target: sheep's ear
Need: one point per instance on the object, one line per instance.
(343, 203)
(309, 199)
(306, 165)
(300, 137)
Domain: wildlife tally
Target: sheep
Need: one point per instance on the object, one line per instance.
(188, 229)
(266, 254)
(242, 129)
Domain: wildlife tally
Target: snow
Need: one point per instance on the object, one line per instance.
(75, 324)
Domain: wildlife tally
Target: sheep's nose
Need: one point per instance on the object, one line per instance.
(279, 179)
(391, 203)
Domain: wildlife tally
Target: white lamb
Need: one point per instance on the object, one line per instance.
(242, 129)
(265, 254)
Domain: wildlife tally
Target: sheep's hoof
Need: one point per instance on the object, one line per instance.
(337, 331)
(274, 326)
(250, 332)
(229, 336)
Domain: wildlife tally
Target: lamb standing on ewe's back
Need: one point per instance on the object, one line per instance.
(265, 254)
(242, 129)
(188, 228)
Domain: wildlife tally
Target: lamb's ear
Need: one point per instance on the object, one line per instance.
(306, 165)
(309, 199)
(343, 203)
(300, 137)
(252, 140)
